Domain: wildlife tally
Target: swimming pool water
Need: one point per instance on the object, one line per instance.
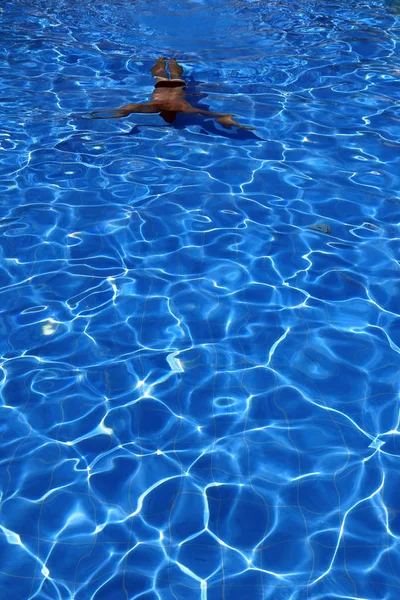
(199, 388)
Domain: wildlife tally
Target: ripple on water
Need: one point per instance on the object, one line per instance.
(199, 392)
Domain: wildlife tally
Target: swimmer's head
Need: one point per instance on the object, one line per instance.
(168, 116)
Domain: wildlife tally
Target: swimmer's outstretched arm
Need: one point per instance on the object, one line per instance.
(124, 111)
(226, 120)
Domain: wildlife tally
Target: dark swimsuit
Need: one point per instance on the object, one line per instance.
(170, 84)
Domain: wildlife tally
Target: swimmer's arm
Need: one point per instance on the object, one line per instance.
(125, 111)
(227, 121)
(224, 119)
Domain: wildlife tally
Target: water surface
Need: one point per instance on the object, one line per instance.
(199, 392)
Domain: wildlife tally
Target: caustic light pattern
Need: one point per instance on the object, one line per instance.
(200, 327)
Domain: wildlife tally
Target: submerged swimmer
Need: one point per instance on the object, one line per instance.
(168, 99)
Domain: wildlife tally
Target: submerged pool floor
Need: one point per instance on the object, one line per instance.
(199, 326)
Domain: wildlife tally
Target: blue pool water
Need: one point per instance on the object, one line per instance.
(200, 391)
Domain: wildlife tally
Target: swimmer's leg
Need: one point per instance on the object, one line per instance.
(159, 69)
(175, 69)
